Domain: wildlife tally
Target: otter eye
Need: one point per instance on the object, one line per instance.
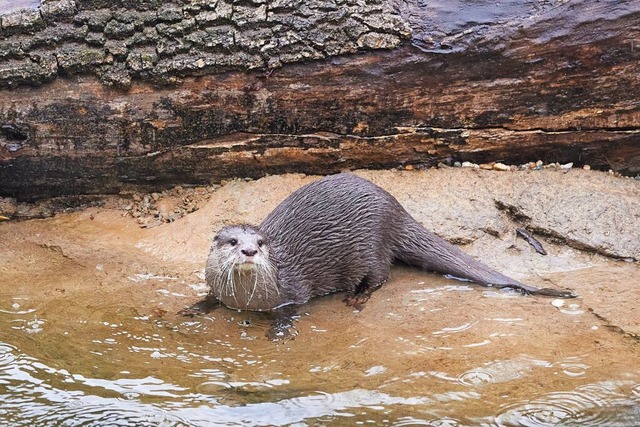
(233, 242)
(260, 243)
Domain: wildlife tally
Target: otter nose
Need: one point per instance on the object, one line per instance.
(249, 252)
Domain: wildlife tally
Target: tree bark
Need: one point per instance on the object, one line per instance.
(100, 100)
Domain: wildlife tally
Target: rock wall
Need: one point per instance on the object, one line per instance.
(101, 97)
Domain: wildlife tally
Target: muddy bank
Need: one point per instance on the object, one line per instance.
(89, 300)
(576, 215)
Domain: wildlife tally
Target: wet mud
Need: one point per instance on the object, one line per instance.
(89, 332)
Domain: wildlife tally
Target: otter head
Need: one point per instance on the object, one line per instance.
(243, 245)
(240, 269)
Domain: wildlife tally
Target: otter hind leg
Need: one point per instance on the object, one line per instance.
(201, 307)
(361, 294)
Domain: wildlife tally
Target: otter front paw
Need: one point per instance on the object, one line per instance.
(201, 307)
(282, 327)
(190, 311)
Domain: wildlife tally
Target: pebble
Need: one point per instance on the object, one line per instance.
(566, 166)
(151, 210)
(501, 167)
(470, 165)
(586, 167)
(8, 206)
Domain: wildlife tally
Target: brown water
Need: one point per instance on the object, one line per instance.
(89, 336)
(425, 350)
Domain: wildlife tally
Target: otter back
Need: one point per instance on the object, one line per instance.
(335, 234)
(342, 233)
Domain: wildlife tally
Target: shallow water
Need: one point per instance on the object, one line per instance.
(426, 350)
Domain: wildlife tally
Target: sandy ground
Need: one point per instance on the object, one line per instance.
(419, 330)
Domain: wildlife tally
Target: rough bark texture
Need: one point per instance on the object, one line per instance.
(161, 41)
(100, 96)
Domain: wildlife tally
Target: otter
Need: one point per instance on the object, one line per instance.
(340, 233)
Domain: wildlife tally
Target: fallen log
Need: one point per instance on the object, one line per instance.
(98, 100)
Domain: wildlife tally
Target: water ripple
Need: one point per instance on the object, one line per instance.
(455, 329)
(592, 405)
(438, 422)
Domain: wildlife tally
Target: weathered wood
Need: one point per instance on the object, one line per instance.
(561, 87)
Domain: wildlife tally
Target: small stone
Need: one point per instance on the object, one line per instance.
(470, 165)
(22, 20)
(566, 166)
(457, 164)
(55, 8)
(486, 166)
(501, 167)
(378, 41)
(586, 167)
(539, 164)
(8, 206)
(408, 167)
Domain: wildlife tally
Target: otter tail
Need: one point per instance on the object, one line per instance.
(425, 250)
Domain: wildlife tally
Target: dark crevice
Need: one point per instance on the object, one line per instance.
(526, 221)
(616, 329)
